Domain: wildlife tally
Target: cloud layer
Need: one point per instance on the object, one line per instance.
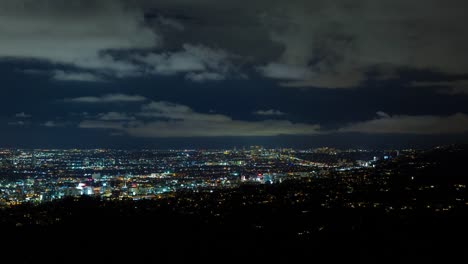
(22, 115)
(198, 62)
(327, 44)
(165, 119)
(108, 98)
(60, 75)
(269, 112)
(77, 33)
(333, 44)
(407, 124)
(446, 87)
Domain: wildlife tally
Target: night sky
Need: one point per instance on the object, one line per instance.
(212, 73)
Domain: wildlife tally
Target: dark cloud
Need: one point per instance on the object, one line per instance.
(406, 124)
(90, 36)
(382, 114)
(52, 123)
(108, 98)
(205, 76)
(170, 22)
(269, 112)
(123, 62)
(447, 87)
(18, 123)
(115, 116)
(197, 62)
(60, 75)
(327, 44)
(77, 33)
(23, 115)
(335, 43)
(175, 120)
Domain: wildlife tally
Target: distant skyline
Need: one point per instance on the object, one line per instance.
(214, 74)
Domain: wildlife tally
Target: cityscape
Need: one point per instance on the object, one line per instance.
(324, 198)
(40, 176)
(261, 131)
(35, 176)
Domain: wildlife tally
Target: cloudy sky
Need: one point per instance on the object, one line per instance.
(213, 73)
